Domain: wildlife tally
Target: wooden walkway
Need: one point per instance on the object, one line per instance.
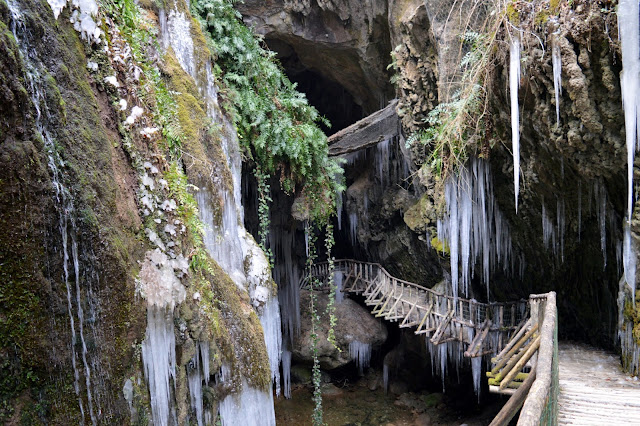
(521, 335)
(484, 328)
(594, 390)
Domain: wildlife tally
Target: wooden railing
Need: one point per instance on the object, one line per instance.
(537, 390)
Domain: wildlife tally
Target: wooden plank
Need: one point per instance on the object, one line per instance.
(515, 347)
(510, 409)
(478, 340)
(429, 309)
(514, 360)
(371, 130)
(404, 323)
(525, 324)
(496, 389)
(518, 366)
(438, 335)
(387, 316)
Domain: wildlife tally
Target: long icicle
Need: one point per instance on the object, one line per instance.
(556, 60)
(514, 82)
(628, 30)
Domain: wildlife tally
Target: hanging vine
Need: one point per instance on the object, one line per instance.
(264, 199)
(315, 325)
(329, 242)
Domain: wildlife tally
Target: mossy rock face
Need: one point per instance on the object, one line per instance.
(35, 330)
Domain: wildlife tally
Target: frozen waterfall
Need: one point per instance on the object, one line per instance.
(230, 244)
(159, 358)
(360, 353)
(249, 407)
(270, 320)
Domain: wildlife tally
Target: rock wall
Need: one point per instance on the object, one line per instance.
(97, 218)
(573, 173)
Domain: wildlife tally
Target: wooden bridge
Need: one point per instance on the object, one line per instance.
(521, 335)
(484, 327)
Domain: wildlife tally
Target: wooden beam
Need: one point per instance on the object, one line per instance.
(518, 366)
(371, 130)
(513, 350)
(514, 403)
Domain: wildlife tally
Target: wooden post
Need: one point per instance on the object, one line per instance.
(472, 312)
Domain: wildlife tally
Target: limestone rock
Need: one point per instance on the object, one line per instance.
(353, 323)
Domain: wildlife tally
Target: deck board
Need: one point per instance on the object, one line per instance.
(593, 388)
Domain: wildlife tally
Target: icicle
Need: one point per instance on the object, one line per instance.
(514, 82)
(451, 197)
(629, 33)
(353, 227)
(159, 359)
(194, 378)
(473, 227)
(600, 194)
(286, 373)
(466, 206)
(548, 232)
(203, 349)
(560, 217)
(270, 320)
(442, 355)
(556, 60)
(287, 274)
(385, 378)
(629, 256)
(339, 204)
(360, 353)
(249, 407)
(382, 161)
(619, 257)
(337, 279)
(476, 368)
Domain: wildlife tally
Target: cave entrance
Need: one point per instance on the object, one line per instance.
(332, 100)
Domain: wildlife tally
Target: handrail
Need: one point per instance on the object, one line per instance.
(435, 293)
(541, 405)
(538, 395)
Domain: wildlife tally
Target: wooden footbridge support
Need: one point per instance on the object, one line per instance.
(521, 335)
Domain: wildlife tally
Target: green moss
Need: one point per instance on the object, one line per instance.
(513, 14)
(632, 315)
(541, 18)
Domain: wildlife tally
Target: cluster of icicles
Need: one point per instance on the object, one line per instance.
(474, 227)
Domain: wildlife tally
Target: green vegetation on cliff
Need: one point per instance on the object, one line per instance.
(278, 129)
